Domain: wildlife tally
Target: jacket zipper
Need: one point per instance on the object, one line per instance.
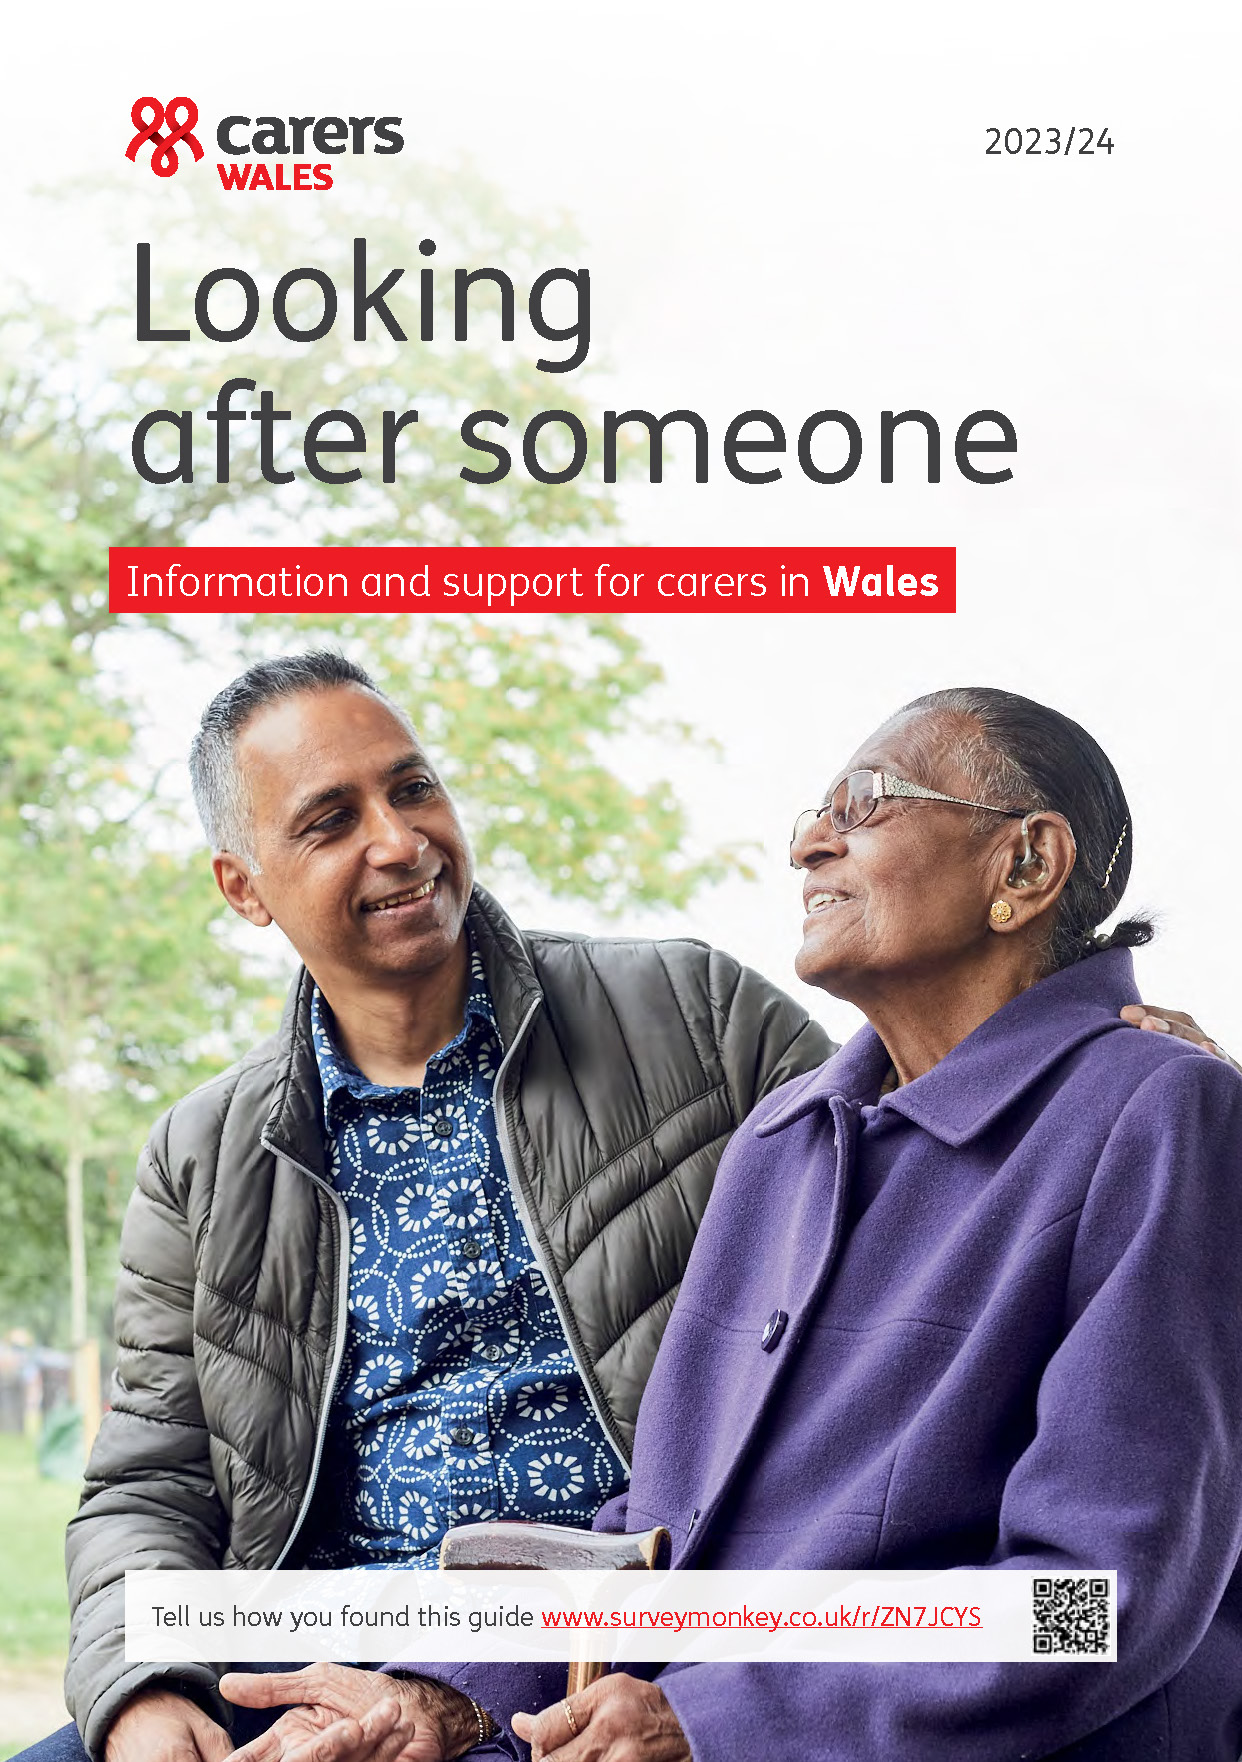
(338, 1348)
(510, 1160)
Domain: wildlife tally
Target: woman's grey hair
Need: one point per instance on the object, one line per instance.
(1021, 754)
(220, 792)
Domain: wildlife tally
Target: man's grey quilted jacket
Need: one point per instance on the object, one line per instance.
(628, 1064)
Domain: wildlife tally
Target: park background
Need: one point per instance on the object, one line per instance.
(788, 208)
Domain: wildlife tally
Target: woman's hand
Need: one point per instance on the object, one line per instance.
(618, 1719)
(338, 1713)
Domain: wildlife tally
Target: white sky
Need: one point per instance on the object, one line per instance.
(790, 207)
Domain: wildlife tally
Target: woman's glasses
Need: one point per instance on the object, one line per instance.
(855, 797)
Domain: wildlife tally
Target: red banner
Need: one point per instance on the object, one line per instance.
(532, 578)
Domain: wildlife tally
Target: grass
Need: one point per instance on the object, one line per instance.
(34, 1612)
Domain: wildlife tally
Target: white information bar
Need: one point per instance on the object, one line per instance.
(961, 1616)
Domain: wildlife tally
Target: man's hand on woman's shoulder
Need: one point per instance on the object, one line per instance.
(1177, 1023)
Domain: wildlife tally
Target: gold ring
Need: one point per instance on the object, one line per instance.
(569, 1715)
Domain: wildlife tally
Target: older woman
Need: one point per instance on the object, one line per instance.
(968, 1295)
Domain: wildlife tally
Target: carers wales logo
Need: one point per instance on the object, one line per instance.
(149, 116)
(260, 152)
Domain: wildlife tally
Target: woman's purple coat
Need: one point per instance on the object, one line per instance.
(1014, 1339)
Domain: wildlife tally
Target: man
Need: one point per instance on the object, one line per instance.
(519, 1135)
(407, 1264)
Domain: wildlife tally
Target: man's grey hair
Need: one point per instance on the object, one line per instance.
(220, 792)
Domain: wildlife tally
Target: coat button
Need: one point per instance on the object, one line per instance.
(462, 1436)
(773, 1330)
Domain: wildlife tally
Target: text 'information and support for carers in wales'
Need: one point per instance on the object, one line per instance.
(534, 578)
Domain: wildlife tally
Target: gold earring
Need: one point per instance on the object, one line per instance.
(1001, 911)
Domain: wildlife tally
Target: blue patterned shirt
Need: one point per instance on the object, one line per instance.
(458, 1397)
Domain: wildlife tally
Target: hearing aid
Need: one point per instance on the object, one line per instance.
(1030, 865)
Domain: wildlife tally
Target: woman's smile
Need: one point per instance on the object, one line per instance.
(818, 899)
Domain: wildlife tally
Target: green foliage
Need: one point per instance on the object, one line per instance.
(116, 379)
(34, 1275)
(117, 989)
(115, 994)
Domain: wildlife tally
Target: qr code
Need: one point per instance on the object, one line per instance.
(1073, 1616)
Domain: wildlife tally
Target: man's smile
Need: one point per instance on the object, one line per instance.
(406, 897)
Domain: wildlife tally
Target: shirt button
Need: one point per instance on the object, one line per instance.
(772, 1332)
(462, 1436)
(471, 1247)
(443, 1128)
(491, 1353)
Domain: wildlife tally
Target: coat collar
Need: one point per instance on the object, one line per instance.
(295, 1124)
(990, 1070)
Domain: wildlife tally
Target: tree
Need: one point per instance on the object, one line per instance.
(116, 985)
(117, 1023)
(103, 1016)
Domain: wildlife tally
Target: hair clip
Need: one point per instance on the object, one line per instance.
(1116, 853)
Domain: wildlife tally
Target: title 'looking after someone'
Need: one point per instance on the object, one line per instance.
(828, 447)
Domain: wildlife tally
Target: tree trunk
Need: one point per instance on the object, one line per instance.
(85, 1347)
